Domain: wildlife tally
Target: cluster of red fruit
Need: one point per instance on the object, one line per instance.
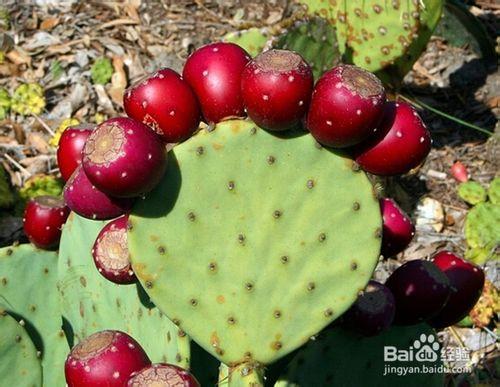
(440, 292)
(113, 358)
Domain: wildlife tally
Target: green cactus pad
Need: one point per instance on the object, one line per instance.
(376, 34)
(472, 192)
(342, 358)
(28, 289)
(253, 242)
(91, 303)
(316, 41)
(481, 232)
(253, 40)
(19, 365)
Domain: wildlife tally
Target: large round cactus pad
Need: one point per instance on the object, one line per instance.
(254, 242)
(19, 364)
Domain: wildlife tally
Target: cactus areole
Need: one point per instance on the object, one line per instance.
(276, 88)
(166, 103)
(124, 158)
(268, 241)
(110, 252)
(69, 152)
(346, 106)
(43, 220)
(214, 73)
(466, 285)
(162, 374)
(104, 359)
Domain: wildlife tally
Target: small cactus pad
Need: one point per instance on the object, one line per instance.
(28, 289)
(253, 40)
(91, 303)
(343, 358)
(481, 232)
(472, 192)
(254, 242)
(19, 365)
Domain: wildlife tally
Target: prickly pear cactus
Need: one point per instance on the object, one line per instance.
(92, 303)
(28, 290)
(28, 99)
(472, 192)
(343, 358)
(316, 41)
(253, 40)
(101, 71)
(377, 34)
(20, 365)
(253, 241)
(5, 103)
(494, 191)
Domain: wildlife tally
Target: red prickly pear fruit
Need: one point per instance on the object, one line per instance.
(398, 229)
(43, 219)
(346, 107)
(420, 290)
(214, 73)
(402, 143)
(110, 252)
(124, 158)
(276, 87)
(162, 374)
(69, 151)
(459, 172)
(166, 103)
(104, 359)
(373, 311)
(466, 284)
(82, 197)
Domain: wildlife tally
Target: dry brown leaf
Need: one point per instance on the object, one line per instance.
(36, 141)
(118, 81)
(18, 57)
(49, 23)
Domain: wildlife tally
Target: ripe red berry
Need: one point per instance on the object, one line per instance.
(104, 359)
(466, 284)
(43, 219)
(162, 374)
(420, 290)
(346, 106)
(166, 103)
(124, 158)
(82, 197)
(398, 229)
(110, 252)
(401, 143)
(276, 88)
(214, 73)
(69, 151)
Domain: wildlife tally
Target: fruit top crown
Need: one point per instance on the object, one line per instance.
(93, 345)
(49, 201)
(279, 60)
(361, 82)
(104, 145)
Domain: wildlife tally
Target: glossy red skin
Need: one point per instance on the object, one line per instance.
(373, 311)
(339, 116)
(276, 99)
(459, 172)
(398, 229)
(402, 144)
(163, 372)
(420, 290)
(110, 367)
(214, 73)
(138, 163)
(69, 151)
(166, 103)
(82, 197)
(44, 217)
(122, 275)
(466, 283)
